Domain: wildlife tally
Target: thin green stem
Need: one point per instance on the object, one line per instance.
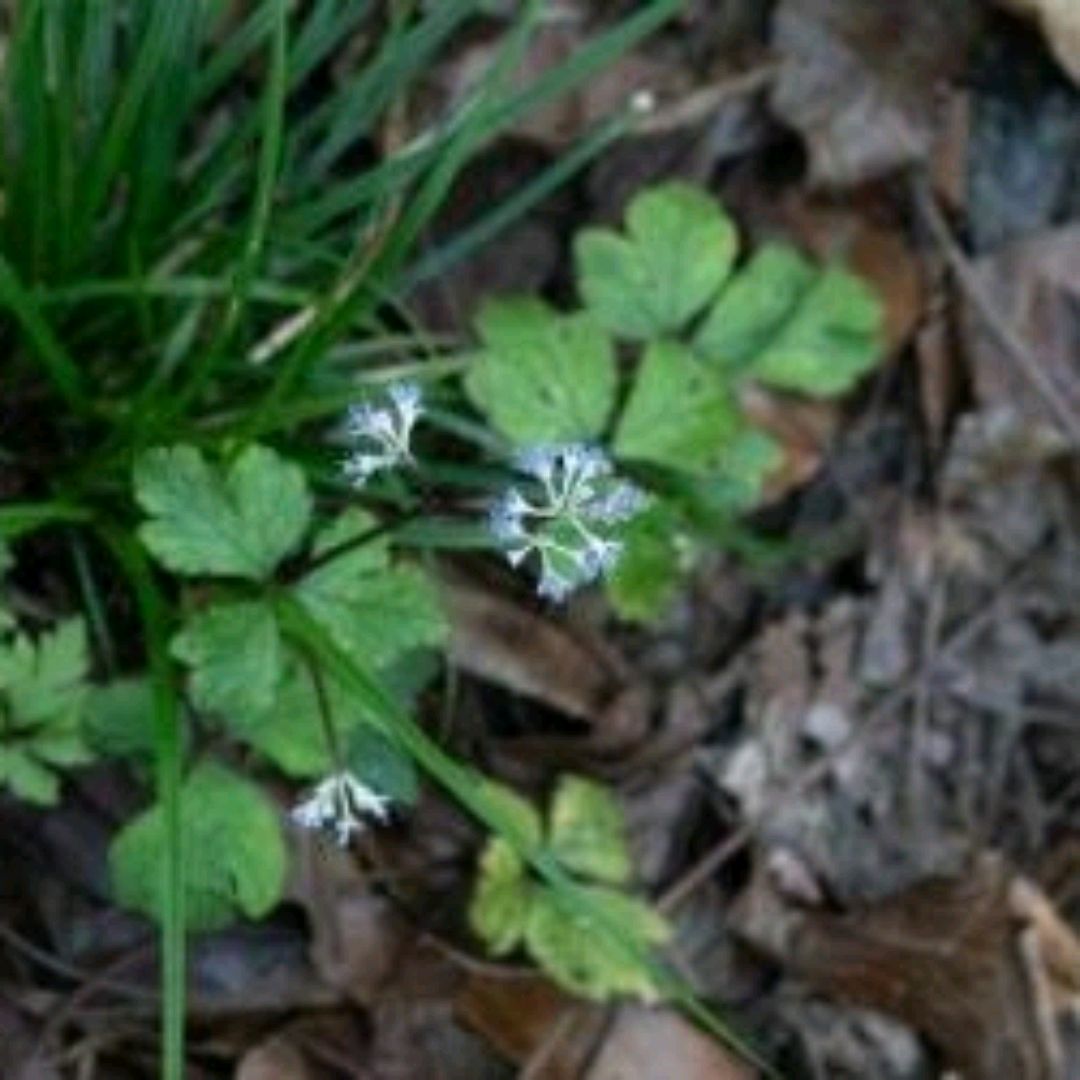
(170, 774)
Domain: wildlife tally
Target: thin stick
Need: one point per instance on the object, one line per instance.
(1014, 347)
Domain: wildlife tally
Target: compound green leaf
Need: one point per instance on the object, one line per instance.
(517, 816)
(586, 832)
(678, 251)
(231, 845)
(596, 944)
(788, 325)
(42, 680)
(542, 377)
(234, 652)
(369, 606)
(381, 765)
(679, 414)
(28, 778)
(240, 521)
(499, 908)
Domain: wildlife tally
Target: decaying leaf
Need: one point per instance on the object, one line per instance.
(1060, 22)
(645, 1044)
(858, 80)
(979, 964)
(1035, 286)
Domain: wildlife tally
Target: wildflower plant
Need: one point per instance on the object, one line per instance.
(248, 598)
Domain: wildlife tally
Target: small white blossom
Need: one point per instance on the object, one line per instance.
(339, 806)
(383, 432)
(578, 499)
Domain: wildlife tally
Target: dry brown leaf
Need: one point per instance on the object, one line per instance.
(1060, 22)
(978, 964)
(274, 1059)
(529, 1017)
(859, 80)
(500, 641)
(1035, 286)
(650, 1044)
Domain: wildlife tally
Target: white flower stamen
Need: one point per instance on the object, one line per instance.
(340, 806)
(578, 495)
(384, 432)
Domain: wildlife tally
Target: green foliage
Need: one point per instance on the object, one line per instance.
(235, 655)
(368, 605)
(240, 521)
(700, 329)
(679, 415)
(542, 377)
(678, 251)
(647, 576)
(42, 696)
(570, 943)
(233, 852)
(590, 938)
(585, 831)
(118, 721)
(787, 324)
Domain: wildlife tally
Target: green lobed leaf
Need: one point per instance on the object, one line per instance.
(596, 955)
(679, 413)
(233, 852)
(644, 581)
(42, 696)
(499, 908)
(542, 376)
(234, 651)
(518, 815)
(678, 250)
(369, 606)
(789, 325)
(240, 521)
(586, 832)
(43, 680)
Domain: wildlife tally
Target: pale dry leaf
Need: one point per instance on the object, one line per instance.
(859, 81)
(645, 1044)
(1060, 22)
(275, 1058)
(1035, 286)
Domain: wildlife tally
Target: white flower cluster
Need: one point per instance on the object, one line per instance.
(339, 806)
(568, 525)
(383, 432)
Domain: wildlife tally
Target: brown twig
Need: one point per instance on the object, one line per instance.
(682, 889)
(1012, 344)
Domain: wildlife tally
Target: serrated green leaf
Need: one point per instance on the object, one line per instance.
(542, 377)
(42, 694)
(586, 832)
(679, 414)
(27, 778)
(788, 325)
(237, 522)
(119, 719)
(678, 251)
(595, 945)
(380, 611)
(500, 903)
(754, 304)
(234, 651)
(520, 818)
(645, 579)
(42, 680)
(745, 465)
(231, 844)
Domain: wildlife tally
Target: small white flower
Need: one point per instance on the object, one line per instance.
(577, 496)
(383, 432)
(339, 806)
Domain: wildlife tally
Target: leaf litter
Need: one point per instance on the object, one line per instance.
(848, 762)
